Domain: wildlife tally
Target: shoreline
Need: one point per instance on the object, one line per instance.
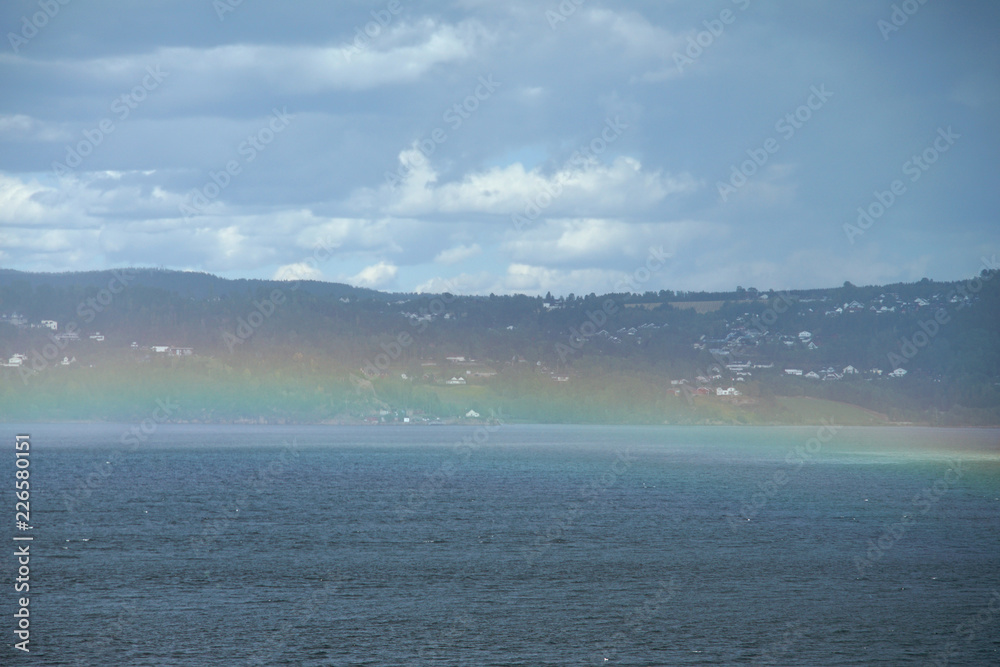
(481, 422)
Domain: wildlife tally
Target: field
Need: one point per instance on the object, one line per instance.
(698, 306)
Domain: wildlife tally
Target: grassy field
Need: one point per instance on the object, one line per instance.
(559, 405)
(698, 306)
(203, 394)
(807, 410)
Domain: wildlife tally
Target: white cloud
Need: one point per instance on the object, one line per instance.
(582, 184)
(405, 53)
(298, 271)
(375, 276)
(531, 279)
(349, 233)
(124, 217)
(642, 41)
(594, 240)
(464, 283)
(458, 254)
(590, 221)
(18, 204)
(536, 279)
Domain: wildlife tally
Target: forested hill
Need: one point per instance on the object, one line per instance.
(107, 344)
(191, 284)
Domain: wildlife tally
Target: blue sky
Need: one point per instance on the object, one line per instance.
(481, 147)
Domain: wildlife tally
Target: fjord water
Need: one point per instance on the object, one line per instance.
(524, 545)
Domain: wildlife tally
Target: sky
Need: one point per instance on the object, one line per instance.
(505, 147)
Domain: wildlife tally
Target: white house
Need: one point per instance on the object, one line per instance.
(458, 380)
(471, 414)
(99, 337)
(160, 349)
(812, 375)
(455, 360)
(850, 370)
(805, 336)
(731, 391)
(898, 373)
(793, 371)
(51, 324)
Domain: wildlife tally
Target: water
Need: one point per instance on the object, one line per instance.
(212, 545)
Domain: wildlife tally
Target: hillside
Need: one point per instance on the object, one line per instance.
(109, 345)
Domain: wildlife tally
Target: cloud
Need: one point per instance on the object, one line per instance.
(597, 241)
(464, 283)
(642, 41)
(375, 276)
(533, 279)
(581, 184)
(18, 202)
(406, 53)
(298, 271)
(20, 127)
(458, 254)
(509, 199)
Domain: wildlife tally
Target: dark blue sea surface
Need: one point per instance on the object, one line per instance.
(507, 545)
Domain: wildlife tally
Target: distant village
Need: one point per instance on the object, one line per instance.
(60, 341)
(744, 339)
(748, 332)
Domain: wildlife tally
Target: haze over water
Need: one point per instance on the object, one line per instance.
(525, 545)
